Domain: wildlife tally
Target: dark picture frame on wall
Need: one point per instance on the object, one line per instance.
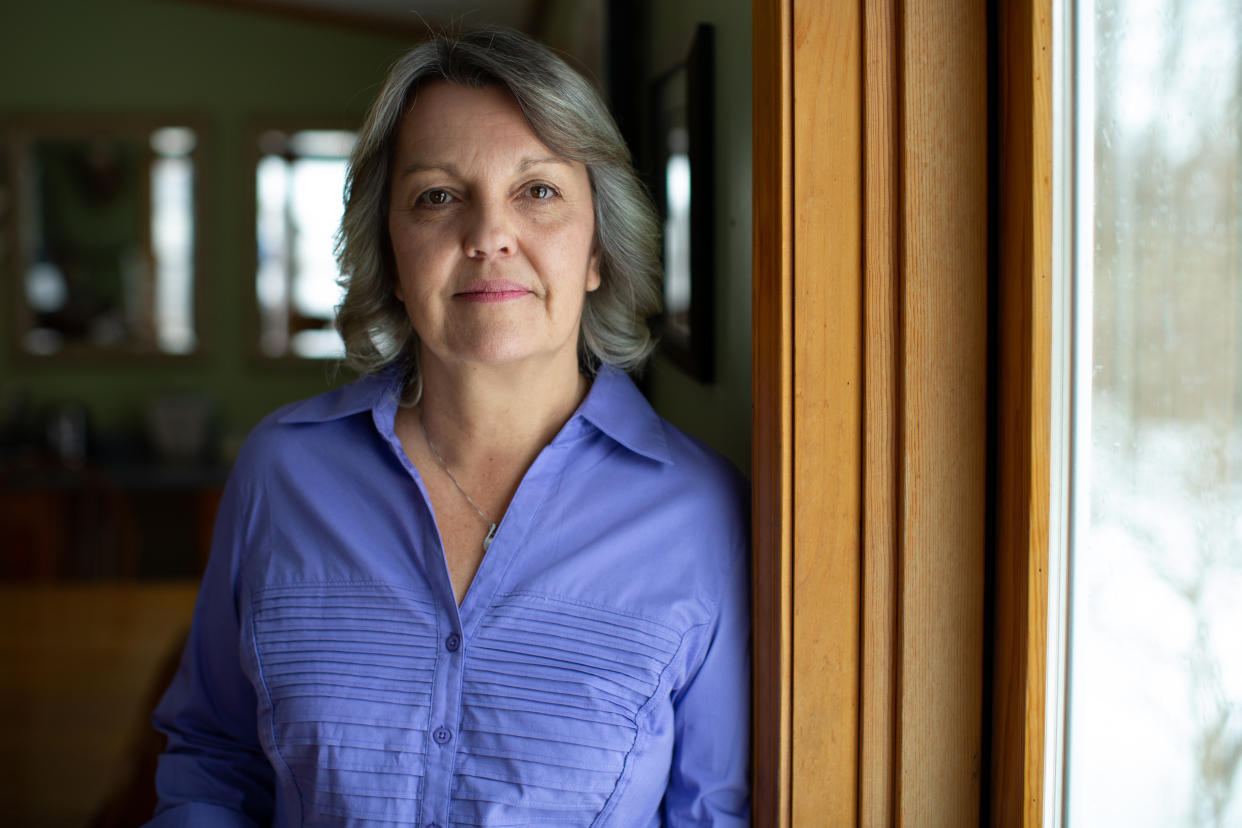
(682, 177)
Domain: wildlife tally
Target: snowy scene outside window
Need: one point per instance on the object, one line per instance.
(1155, 647)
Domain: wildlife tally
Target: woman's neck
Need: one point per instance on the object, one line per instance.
(500, 417)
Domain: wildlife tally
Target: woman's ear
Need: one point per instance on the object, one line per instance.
(593, 280)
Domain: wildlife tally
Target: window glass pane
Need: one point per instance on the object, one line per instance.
(172, 237)
(299, 183)
(1155, 682)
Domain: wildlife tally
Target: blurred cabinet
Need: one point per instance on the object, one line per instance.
(105, 523)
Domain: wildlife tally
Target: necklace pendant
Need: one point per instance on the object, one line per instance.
(491, 533)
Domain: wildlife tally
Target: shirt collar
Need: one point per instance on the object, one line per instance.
(613, 405)
(617, 408)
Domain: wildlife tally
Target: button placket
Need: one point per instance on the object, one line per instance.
(442, 723)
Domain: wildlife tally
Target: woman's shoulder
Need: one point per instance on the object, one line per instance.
(285, 430)
(665, 472)
(702, 466)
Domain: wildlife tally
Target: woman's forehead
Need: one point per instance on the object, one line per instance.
(450, 125)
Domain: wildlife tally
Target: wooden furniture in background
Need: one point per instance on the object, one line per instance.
(101, 522)
(33, 526)
(77, 667)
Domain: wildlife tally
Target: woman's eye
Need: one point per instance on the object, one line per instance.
(540, 191)
(435, 197)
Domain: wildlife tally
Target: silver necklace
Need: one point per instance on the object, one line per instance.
(491, 525)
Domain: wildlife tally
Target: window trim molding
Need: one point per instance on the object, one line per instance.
(1023, 283)
(870, 307)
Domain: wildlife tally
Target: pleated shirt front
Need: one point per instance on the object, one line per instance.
(596, 673)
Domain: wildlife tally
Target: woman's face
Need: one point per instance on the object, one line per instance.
(492, 232)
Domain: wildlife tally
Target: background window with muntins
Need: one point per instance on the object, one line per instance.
(299, 186)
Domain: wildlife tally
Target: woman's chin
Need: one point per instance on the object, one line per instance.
(507, 355)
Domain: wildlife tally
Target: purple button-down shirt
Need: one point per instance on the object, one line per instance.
(597, 672)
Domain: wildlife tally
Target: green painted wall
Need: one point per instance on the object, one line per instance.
(225, 67)
(718, 412)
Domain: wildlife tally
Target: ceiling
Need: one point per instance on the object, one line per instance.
(572, 27)
(403, 15)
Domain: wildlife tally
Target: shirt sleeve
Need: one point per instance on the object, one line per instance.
(213, 771)
(709, 783)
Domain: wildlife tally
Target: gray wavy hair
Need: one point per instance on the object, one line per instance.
(568, 115)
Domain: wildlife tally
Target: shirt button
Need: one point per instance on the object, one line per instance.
(452, 642)
(442, 735)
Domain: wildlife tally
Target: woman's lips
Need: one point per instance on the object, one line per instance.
(492, 290)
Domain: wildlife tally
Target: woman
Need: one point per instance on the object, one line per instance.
(485, 584)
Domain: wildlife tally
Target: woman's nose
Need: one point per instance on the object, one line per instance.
(490, 232)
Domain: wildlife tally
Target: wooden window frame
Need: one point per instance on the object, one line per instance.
(901, 307)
